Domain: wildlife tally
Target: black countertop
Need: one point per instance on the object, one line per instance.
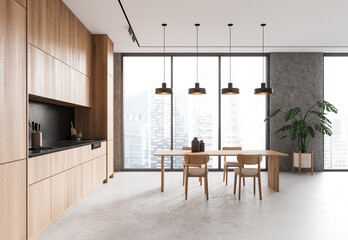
(61, 146)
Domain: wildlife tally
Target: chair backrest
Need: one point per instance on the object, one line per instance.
(249, 159)
(196, 158)
(231, 148)
(186, 148)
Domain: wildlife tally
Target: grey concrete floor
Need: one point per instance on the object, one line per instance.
(131, 206)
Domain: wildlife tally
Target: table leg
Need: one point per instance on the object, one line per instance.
(162, 173)
(273, 172)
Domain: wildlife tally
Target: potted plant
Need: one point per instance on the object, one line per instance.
(302, 127)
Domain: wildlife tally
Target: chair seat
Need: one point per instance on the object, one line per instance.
(247, 172)
(192, 165)
(232, 164)
(196, 172)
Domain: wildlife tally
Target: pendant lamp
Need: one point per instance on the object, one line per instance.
(164, 90)
(230, 90)
(263, 90)
(197, 90)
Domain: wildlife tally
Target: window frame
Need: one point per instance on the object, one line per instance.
(218, 55)
(332, 55)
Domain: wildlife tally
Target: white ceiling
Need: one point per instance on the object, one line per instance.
(292, 25)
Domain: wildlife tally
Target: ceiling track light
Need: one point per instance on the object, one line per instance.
(164, 90)
(230, 90)
(264, 90)
(197, 90)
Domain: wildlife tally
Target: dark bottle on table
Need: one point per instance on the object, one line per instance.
(195, 145)
(201, 146)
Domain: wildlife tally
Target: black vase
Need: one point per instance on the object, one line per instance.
(201, 146)
(195, 145)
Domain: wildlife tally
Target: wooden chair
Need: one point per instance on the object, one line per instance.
(193, 160)
(232, 164)
(248, 172)
(184, 164)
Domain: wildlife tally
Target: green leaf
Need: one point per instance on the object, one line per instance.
(283, 137)
(283, 129)
(291, 113)
(272, 114)
(321, 115)
(293, 131)
(327, 106)
(311, 131)
(323, 129)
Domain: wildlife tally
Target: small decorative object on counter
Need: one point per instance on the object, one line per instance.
(202, 146)
(195, 145)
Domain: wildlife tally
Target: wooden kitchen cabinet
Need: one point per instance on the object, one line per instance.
(59, 162)
(110, 158)
(37, 84)
(13, 200)
(12, 81)
(53, 16)
(87, 184)
(75, 156)
(39, 207)
(110, 108)
(59, 194)
(86, 153)
(54, 78)
(39, 168)
(75, 185)
(37, 23)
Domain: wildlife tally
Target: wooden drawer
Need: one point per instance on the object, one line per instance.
(59, 162)
(39, 207)
(86, 170)
(86, 153)
(59, 194)
(95, 153)
(75, 185)
(39, 168)
(75, 156)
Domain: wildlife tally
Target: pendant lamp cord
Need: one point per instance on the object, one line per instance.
(263, 54)
(164, 53)
(230, 55)
(197, 53)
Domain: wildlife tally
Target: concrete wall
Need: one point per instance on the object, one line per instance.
(118, 112)
(297, 79)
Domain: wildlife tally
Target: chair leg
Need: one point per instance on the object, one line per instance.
(240, 185)
(183, 176)
(254, 185)
(299, 170)
(305, 170)
(223, 175)
(186, 186)
(200, 178)
(243, 181)
(205, 187)
(226, 175)
(235, 183)
(206, 182)
(260, 191)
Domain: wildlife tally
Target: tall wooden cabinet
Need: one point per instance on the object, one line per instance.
(97, 122)
(13, 135)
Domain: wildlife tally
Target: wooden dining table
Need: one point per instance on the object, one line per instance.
(273, 161)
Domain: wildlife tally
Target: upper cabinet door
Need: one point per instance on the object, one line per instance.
(12, 81)
(110, 57)
(37, 23)
(53, 16)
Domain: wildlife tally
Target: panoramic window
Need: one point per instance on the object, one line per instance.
(147, 116)
(335, 85)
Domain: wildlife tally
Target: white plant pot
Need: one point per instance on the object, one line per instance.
(305, 159)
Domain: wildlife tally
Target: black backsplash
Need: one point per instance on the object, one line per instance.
(54, 119)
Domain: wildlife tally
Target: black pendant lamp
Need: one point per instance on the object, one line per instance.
(197, 90)
(263, 90)
(164, 90)
(230, 90)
